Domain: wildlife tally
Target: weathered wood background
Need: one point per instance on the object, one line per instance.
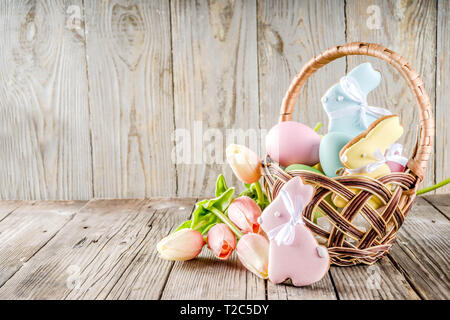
(91, 92)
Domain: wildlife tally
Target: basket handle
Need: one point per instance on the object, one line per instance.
(423, 149)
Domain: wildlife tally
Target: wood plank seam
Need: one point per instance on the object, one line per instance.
(173, 262)
(45, 244)
(88, 99)
(166, 279)
(345, 33)
(173, 95)
(421, 251)
(140, 248)
(435, 94)
(258, 82)
(334, 286)
(266, 294)
(406, 275)
(100, 251)
(437, 208)
(9, 213)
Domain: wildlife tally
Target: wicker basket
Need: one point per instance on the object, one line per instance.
(347, 243)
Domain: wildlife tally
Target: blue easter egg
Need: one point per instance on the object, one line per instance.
(330, 146)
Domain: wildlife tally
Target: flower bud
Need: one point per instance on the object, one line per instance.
(221, 241)
(184, 244)
(245, 163)
(244, 213)
(253, 252)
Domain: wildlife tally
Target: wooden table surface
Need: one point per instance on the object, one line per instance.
(105, 249)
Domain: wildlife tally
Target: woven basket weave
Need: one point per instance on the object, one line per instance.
(347, 243)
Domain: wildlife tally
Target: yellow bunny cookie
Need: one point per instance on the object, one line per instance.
(364, 155)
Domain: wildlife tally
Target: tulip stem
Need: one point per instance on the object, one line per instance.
(227, 221)
(318, 126)
(433, 187)
(260, 195)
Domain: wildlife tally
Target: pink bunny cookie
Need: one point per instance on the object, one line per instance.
(294, 252)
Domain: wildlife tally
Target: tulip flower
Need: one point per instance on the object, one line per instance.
(245, 163)
(184, 244)
(253, 252)
(221, 241)
(244, 213)
(247, 167)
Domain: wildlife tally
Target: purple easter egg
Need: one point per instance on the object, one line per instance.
(291, 142)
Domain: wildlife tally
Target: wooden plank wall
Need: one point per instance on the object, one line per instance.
(94, 94)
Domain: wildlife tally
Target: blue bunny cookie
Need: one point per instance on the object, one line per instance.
(348, 112)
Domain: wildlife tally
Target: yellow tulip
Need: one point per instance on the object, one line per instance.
(185, 244)
(253, 252)
(245, 163)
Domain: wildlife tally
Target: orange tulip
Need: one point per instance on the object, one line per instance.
(253, 252)
(244, 212)
(245, 163)
(221, 241)
(184, 244)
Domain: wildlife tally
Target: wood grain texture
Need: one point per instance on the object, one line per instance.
(422, 251)
(207, 277)
(440, 202)
(381, 281)
(103, 234)
(289, 34)
(106, 250)
(94, 95)
(145, 277)
(130, 81)
(8, 206)
(443, 95)
(44, 113)
(215, 86)
(29, 228)
(408, 28)
(322, 290)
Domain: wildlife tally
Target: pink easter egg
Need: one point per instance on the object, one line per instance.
(291, 142)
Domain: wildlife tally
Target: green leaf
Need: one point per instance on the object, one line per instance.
(222, 202)
(221, 185)
(203, 218)
(184, 225)
(206, 229)
(251, 192)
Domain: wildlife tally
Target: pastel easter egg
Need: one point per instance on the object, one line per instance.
(291, 142)
(296, 166)
(330, 147)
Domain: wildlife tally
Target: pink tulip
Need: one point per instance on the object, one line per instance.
(244, 212)
(245, 163)
(221, 241)
(185, 244)
(253, 252)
